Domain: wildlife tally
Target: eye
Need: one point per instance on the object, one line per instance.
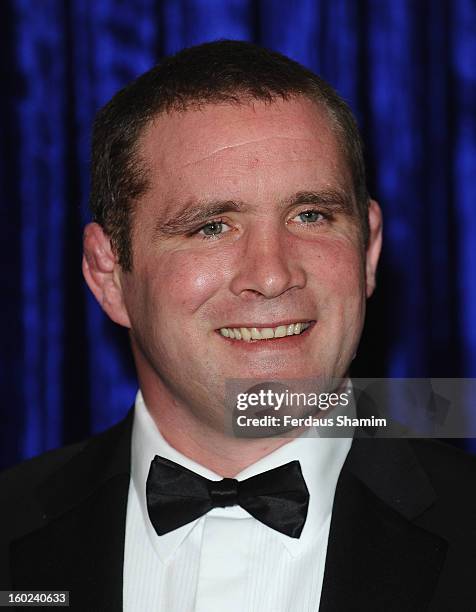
(310, 216)
(213, 228)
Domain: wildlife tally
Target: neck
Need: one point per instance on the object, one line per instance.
(221, 453)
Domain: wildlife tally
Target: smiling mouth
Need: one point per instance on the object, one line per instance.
(250, 334)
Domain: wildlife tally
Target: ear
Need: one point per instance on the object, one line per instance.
(101, 271)
(374, 246)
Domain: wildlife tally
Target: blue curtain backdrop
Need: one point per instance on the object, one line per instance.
(408, 70)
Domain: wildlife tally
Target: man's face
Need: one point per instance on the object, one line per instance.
(250, 222)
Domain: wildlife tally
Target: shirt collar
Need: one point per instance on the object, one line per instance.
(321, 461)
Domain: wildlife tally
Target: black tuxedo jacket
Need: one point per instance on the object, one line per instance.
(402, 536)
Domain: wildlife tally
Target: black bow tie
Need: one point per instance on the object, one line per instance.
(176, 496)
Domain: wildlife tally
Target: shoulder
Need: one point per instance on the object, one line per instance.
(19, 485)
(21, 509)
(452, 474)
(27, 475)
(37, 493)
(447, 466)
(22, 512)
(451, 471)
(429, 481)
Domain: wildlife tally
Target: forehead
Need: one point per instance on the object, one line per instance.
(242, 141)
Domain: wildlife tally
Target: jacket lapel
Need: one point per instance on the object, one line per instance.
(377, 559)
(80, 547)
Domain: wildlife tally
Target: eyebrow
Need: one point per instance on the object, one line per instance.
(196, 213)
(332, 199)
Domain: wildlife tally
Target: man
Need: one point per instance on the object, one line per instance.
(234, 238)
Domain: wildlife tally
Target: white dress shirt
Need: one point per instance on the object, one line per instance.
(227, 561)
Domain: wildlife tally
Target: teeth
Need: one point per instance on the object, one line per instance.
(267, 333)
(255, 334)
(264, 333)
(245, 334)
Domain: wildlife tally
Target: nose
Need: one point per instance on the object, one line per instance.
(268, 264)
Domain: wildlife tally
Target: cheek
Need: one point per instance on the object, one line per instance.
(187, 280)
(341, 268)
(340, 284)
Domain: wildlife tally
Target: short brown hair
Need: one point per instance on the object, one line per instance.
(216, 72)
